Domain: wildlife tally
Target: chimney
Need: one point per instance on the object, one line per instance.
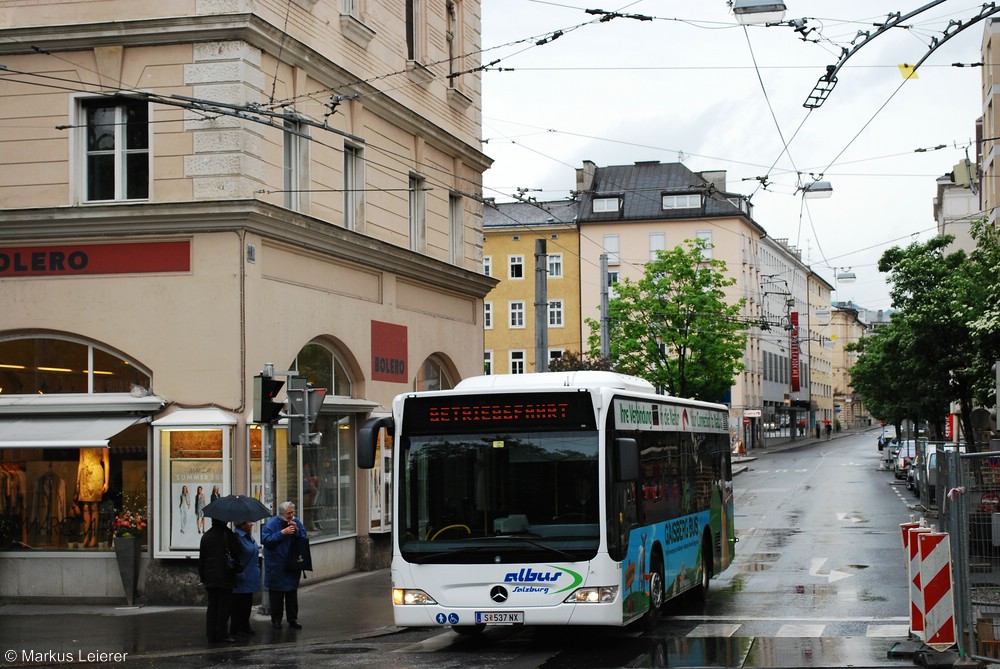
(715, 177)
(585, 176)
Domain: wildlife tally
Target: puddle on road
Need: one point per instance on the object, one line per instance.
(744, 652)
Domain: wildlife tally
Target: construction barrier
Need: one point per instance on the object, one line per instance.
(912, 552)
(937, 587)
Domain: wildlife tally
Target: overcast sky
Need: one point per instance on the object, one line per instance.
(691, 85)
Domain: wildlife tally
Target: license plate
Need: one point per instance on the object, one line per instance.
(500, 617)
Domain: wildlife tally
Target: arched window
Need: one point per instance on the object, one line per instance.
(432, 375)
(324, 369)
(52, 364)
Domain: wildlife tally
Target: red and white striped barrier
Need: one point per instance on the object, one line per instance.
(937, 587)
(912, 552)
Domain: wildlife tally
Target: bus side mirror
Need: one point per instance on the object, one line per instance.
(368, 439)
(627, 452)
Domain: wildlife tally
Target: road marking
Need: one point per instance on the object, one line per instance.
(430, 645)
(832, 577)
(800, 630)
(714, 630)
(843, 517)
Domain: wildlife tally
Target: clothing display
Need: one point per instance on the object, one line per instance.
(91, 478)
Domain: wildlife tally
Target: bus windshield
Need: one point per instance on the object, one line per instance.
(508, 497)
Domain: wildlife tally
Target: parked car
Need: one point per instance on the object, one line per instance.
(904, 458)
(924, 472)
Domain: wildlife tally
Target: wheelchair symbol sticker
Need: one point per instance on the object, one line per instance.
(453, 618)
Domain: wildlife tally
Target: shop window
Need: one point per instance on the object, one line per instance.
(193, 469)
(68, 498)
(318, 477)
(52, 365)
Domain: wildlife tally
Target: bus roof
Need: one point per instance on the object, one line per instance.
(579, 379)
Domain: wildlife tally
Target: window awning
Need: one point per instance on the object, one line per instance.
(62, 432)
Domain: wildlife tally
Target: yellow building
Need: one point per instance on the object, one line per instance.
(512, 232)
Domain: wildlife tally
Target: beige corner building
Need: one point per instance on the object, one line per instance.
(192, 190)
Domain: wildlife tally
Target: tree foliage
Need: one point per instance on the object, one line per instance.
(944, 334)
(674, 327)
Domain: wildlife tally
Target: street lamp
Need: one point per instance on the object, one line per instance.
(817, 190)
(749, 12)
(845, 275)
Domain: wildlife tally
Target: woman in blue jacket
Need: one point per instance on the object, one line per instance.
(282, 584)
(247, 581)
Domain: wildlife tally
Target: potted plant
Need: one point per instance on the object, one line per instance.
(129, 528)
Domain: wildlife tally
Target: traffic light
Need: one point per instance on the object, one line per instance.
(265, 408)
(304, 404)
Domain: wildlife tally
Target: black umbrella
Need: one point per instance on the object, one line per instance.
(236, 509)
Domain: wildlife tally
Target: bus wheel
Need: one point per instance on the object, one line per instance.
(656, 592)
(469, 630)
(707, 567)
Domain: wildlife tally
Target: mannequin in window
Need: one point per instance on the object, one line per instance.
(91, 484)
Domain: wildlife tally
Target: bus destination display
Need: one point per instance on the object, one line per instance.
(521, 411)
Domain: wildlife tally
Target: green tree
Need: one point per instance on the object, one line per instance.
(674, 328)
(937, 298)
(884, 375)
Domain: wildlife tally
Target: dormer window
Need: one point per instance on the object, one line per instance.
(686, 201)
(603, 205)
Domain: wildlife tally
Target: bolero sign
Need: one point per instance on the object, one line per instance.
(89, 259)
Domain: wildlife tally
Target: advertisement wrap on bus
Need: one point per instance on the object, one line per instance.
(563, 498)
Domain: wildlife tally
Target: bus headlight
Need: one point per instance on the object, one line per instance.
(401, 596)
(601, 595)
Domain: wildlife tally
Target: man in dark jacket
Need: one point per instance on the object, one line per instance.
(217, 567)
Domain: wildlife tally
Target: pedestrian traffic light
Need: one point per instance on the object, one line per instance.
(304, 404)
(265, 408)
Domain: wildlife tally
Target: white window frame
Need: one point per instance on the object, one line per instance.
(706, 255)
(414, 30)
(456, 225)
(418, 214)
(612, 248)
(613, 277)
(517, 362)
(351, 8)
(487, 362)
(555, 310)
(487, 315)
(684, 201)
(487, 265)
(518, 262)
(555, 265)
(602, 205)
(295, 164)
(515, 310)
(657, 242)
(120, 151)
(354, 187)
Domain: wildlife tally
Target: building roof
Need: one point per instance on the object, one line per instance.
(529, 214)
(641, 187)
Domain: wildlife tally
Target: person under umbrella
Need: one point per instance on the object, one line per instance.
(217, 568)
(247, 581)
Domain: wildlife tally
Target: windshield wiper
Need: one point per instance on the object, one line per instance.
(420, 559)
(538, 544)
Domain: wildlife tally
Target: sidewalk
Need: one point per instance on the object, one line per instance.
(350, 607)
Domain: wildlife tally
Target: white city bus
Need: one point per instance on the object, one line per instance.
(560, 498)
